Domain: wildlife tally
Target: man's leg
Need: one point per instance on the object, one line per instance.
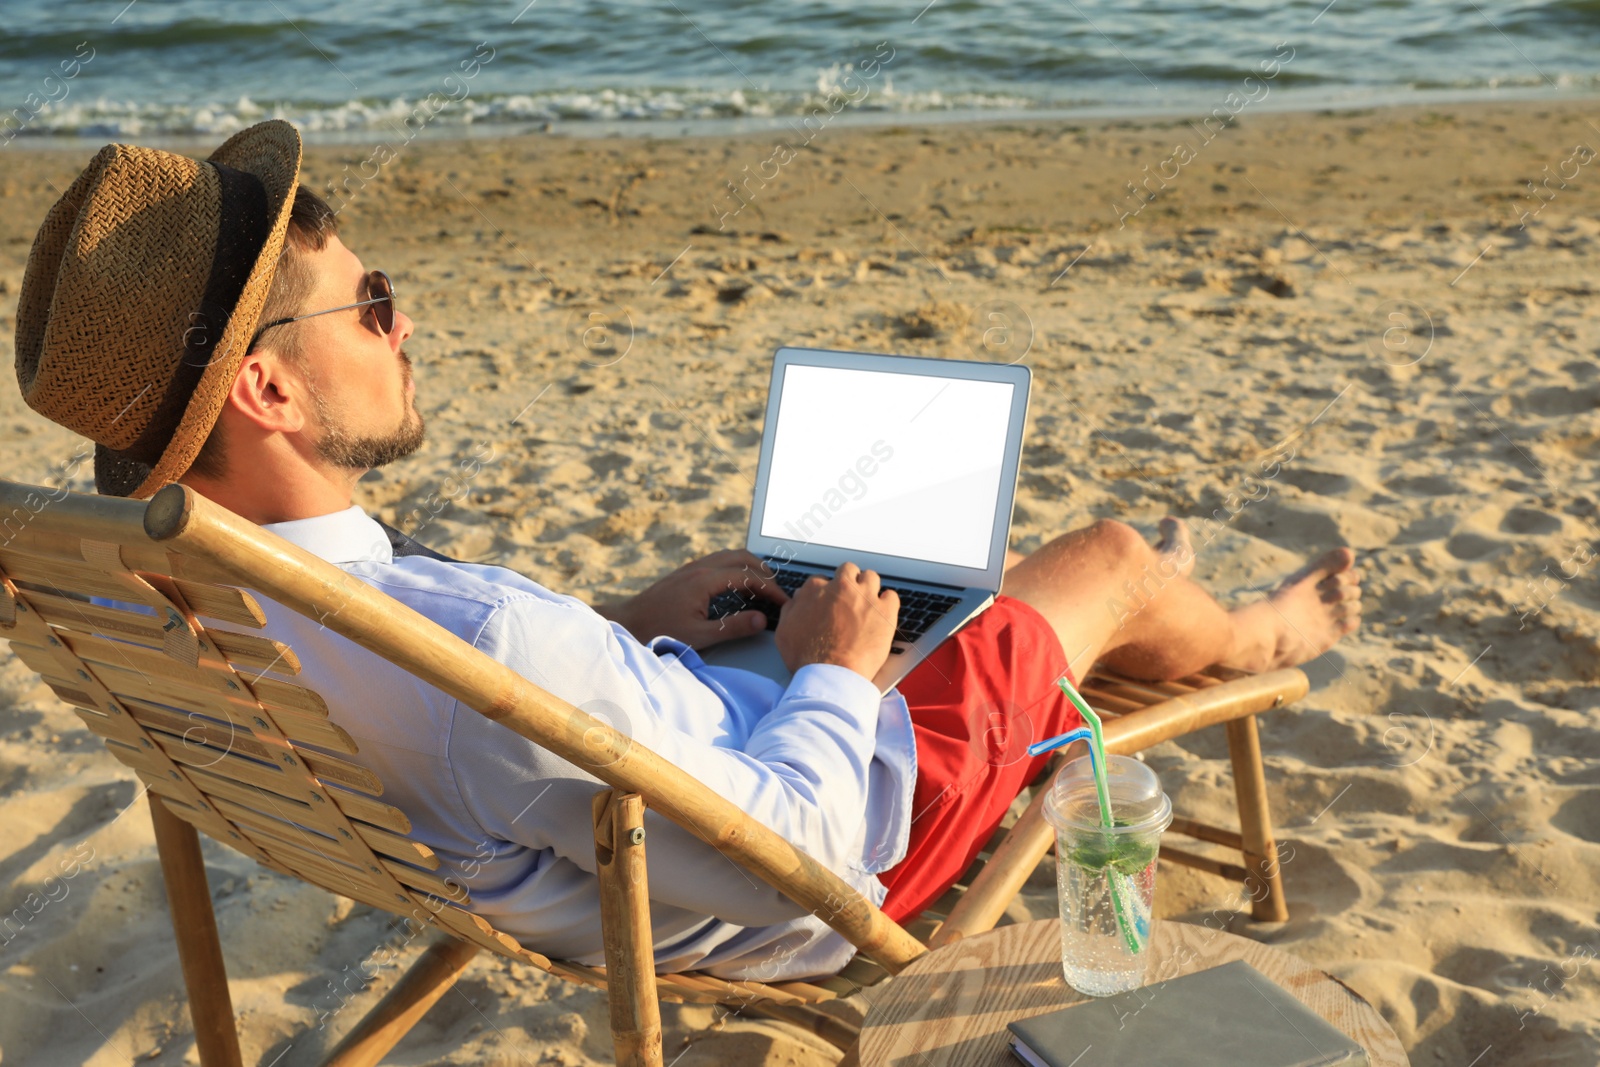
(1113, 597)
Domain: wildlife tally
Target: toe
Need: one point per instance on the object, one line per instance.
(1336, 560)
(1332, 562)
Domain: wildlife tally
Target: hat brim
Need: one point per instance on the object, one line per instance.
(270, 151)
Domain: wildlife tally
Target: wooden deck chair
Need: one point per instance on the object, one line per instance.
(208, 716)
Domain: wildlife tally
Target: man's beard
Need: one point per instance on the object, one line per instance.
(346, 450)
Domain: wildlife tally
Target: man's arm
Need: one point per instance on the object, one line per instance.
(802, 774)
(802, 770)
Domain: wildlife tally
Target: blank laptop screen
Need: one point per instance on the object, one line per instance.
(897, 464)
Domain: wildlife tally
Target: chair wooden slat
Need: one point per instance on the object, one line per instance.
(213, 826)
(321, 843)
(223, 602)
(131, 755)
(1138, 693)
(475, 929)
(354, 805)
(685, 989)
(840, 987)
(238, 768)
(70, 694)
(863, 971)
(724, 989)
(302, 729)
(139, 555)
(577, 972)
(304, 837)
(106, 622)
(1103, 700)
(1224, 673)
(806, 991)
(1200, 680)
(248, 650)
(392, 845)
(82, 616)
(206, 701)
(313, 854)
(127, 676)
(192, 728)
(288, 695)
(123, 670)
(59, 576)
(131, 689)
(174, 800)
(328, 769)
(237, 737)
(44, 663)
(151, 662)
(330, 874)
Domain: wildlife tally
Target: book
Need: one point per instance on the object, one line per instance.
(1227, 1016)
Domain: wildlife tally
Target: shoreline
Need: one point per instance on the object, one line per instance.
(869, 119)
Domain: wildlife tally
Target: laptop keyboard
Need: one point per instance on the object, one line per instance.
(919, 609)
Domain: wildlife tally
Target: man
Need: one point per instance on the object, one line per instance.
(263, 364)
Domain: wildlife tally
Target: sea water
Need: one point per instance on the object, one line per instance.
(372, 73)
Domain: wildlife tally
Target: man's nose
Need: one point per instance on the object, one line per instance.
(403, 328)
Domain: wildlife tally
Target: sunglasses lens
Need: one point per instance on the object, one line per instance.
(379, 288)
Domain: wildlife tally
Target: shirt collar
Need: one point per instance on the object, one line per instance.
(348, 536)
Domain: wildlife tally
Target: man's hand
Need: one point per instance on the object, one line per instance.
(848, 621)
(678, 604)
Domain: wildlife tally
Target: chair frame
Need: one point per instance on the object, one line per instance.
(179, 547)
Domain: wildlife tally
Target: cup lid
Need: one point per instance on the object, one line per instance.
(1137, 803)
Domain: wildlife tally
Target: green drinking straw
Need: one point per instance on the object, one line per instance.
(1103, 792)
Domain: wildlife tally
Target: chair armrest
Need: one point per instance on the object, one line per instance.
(1003, 876)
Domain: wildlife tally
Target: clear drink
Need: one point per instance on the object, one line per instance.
(1106, 878)
(1095, 956)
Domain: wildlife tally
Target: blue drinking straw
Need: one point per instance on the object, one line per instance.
(1080, 734)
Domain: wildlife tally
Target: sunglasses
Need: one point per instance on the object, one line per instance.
(380, 293)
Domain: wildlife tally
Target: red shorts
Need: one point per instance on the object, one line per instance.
(976, 704)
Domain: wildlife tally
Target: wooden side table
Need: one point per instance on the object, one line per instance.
(952, 1005)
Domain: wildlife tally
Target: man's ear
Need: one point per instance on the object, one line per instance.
(270, 393)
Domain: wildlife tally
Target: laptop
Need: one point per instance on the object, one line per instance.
(902, 465)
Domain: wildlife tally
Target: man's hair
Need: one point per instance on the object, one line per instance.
(311, 223)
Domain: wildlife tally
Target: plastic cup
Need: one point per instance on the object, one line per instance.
(1106, 878)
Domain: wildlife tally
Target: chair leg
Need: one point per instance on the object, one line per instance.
(625, 929)
(194, 925)
(1255, 823)
(435, 971)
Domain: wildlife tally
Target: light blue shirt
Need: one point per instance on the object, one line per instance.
(826, 763)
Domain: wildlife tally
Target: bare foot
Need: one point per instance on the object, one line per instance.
(1304, 617)
(1175, 547)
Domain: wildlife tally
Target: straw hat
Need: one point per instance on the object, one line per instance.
(143, 288)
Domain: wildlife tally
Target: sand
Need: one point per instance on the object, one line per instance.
(1330, 328)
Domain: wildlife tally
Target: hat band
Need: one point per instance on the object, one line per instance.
(242, 230)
